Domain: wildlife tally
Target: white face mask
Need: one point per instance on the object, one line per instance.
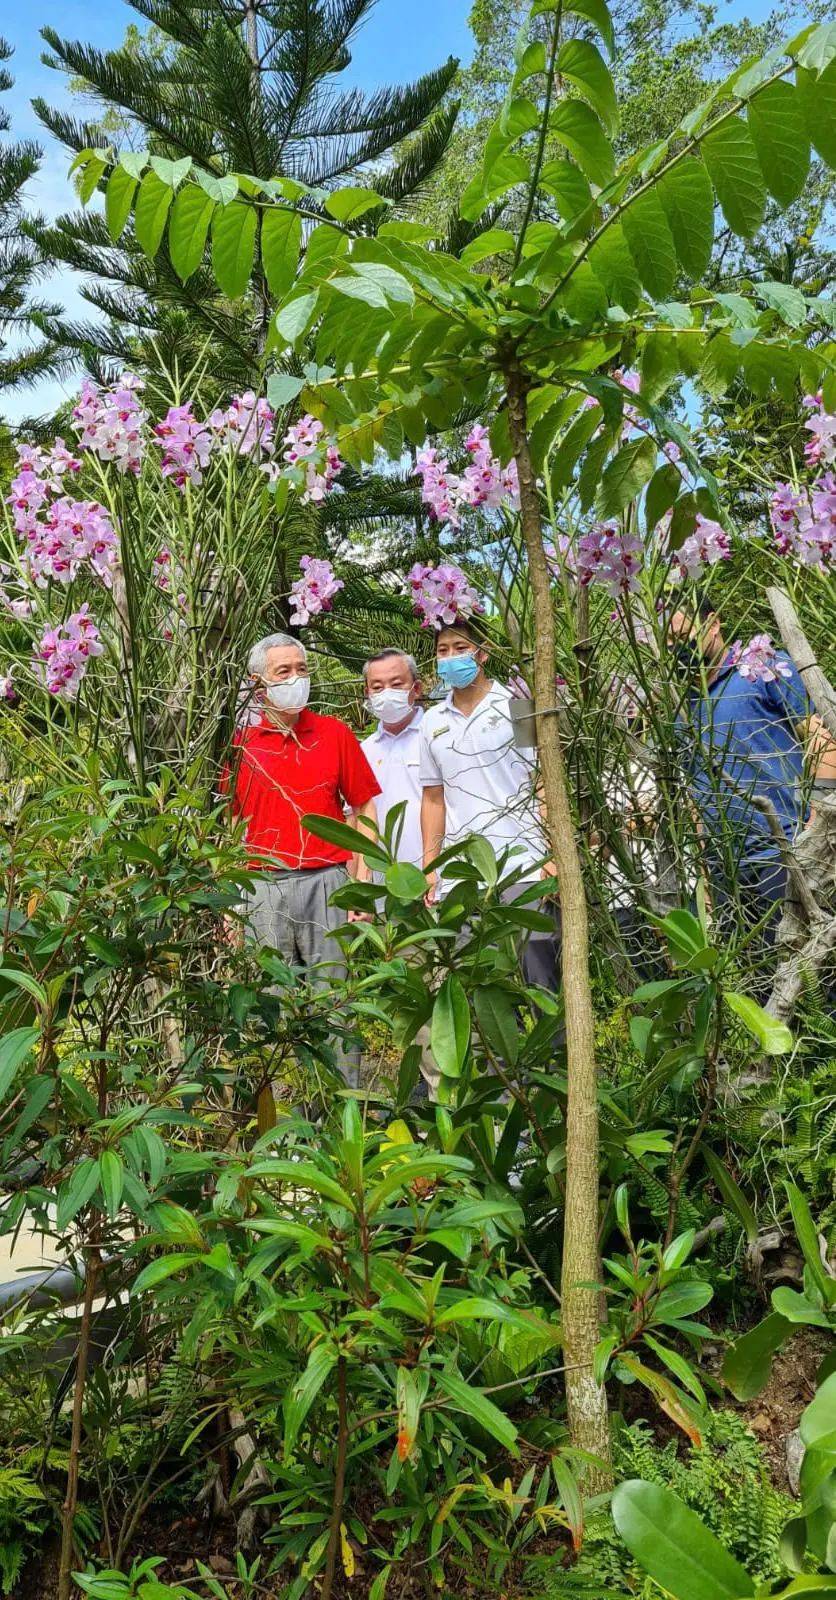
(389, 705)
(291, 695)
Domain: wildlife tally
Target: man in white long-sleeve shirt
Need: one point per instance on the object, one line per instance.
(393, 689)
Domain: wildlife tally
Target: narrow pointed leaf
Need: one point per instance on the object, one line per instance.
(299, 1399)
(747, 1365)
(450, 1027)
(480, 1408)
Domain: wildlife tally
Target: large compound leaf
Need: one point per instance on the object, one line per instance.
(584, 66)
(152, 207)
(651, 244)
(233, 247)
(578, 128)
(188, 229)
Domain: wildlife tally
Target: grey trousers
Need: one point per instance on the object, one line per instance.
(290, 912)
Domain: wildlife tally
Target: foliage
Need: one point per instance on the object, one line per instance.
(229, 89)
(20, 262)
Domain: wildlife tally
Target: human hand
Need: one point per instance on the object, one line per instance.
(358, 916)
(432, 890)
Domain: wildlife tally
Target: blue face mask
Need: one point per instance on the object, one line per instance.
(456, 672)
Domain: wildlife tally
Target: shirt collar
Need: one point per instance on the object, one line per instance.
(303, 722)
(496, 691)
(413, 725)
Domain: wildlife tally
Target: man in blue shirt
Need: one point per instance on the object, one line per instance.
(755, 738)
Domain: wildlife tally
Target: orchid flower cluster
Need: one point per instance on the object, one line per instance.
(60, 534)
(611, 558)
(758, 661)
(804, 520)
(708, 544)
(442, 595)
(110, 422)
(484, 485)
(314, 592)
(64, 652)
(313, 460)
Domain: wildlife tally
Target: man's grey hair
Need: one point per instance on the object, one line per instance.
(257, 658)
(388, 655)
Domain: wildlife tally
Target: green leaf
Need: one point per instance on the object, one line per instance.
(91, 178)
(650, 242)
(163, 1267)
(566, 182)
(818, 1421)
(508, 171)
(282, 388)
(808, 1237)
(299, 1399)
(393, 284)
(773, 1037)
(302, 1175)
(496, 241)
(347, 204)
(351, 839)
(112, 1179)
(76, 1192)
(776, 123)
(405, 1172)
(748, 1363)
(405, 882)
(817, 97)
(674, 1547)
(531, 61)
(677, 1364)
(481, 852)
(578, 128)
(815, 47)
(732, 1194)
(152, 207)
(625, 475)
(613, 264)
(687, 199)
(450, 1027)
(589, 476)
(134, 162)
(171, 172)
(187, 230)
(662, 491)
(498, 1023)
(730, 156)
(14, 1048)
(293, 318)
(681, 1299)
(233, 247)
(797, 1308)
(596, 12)
(583, 65)
(222, 190)
(119, 195)
(481, 1409)
(359, 289)
(788, 301)
(478, 1308)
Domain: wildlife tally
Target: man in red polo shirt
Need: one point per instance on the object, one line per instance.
(291, 763)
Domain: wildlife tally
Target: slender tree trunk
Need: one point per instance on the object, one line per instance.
(71, 1495)
(586, 1399)
(339, 1483)
(262, 294)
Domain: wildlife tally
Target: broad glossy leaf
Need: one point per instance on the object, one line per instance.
(339, 833)
(508, 171)
(294, 317)
(233, 247)
(776, 123)
(730, 156)
(283, 388)
(788, 301)
(405, 881)
(797, 1308)
(625, 476)
(121, 188)
(188, 229)
(816, 47)
(222, 190)
(773, 1037)
(651, 245)
(91, 177)
(450, 1027)
(578, 128)
(612, 262)
(566, 182)
(171, 172)
(674, 1547)
(281, 237)
(584, 66)
(134, 162)
(687, 198)
(480, 1408)
(393, 284)
(748, 1363)
(153, 203)
(497, 1022)
(496, 241)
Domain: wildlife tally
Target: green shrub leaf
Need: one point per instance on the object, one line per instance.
(674, 1547)
(233, 247)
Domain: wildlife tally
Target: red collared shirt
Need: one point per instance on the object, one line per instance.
(317, 768)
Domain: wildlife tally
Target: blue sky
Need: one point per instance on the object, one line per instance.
(400, 40)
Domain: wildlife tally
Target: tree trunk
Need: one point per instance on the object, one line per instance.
(586, 1399)
(71, 1494)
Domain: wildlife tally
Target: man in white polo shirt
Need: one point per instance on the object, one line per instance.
(475, 780)
(393, 688)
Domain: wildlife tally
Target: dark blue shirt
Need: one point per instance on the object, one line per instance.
(750, 744)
